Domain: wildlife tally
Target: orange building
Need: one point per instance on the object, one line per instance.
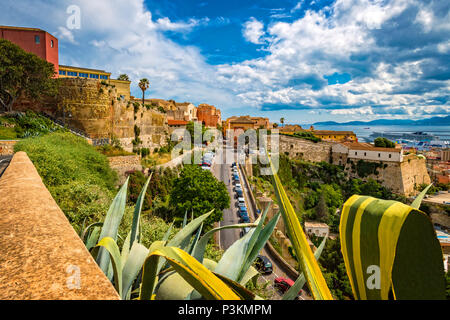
(34, 40)
(209, 115)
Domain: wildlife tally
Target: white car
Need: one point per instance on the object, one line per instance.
(238, 185)
(241, 200)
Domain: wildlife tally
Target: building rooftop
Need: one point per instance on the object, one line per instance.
(315, 224)
(177, 122)
(369, 147)
(329, 132)
(80, 68)
(22, 29)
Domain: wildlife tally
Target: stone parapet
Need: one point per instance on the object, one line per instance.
(41, 256)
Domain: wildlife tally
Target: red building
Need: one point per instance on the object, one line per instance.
(36, 41)
(209, 115)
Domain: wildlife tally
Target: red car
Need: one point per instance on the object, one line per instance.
(284, 284)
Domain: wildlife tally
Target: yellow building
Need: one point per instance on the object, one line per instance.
(335, 136)
(75, 72)
(123, 87)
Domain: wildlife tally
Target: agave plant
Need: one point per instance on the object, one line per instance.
(392, 241)
(390, 249)
(184, 265)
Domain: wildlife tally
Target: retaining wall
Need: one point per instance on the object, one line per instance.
(41, 256)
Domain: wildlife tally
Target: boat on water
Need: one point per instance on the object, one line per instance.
(415, 136)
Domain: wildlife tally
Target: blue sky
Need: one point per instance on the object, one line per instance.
(306, 61)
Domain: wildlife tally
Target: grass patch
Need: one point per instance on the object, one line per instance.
(78, 177)
(8, 133)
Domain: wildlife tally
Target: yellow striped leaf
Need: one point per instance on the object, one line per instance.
(314, 277)
(197, 275)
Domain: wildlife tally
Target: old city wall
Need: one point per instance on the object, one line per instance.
(306, 150)
(124, 164)
(152, 125)
(401, 177)
(96, 109)
(414, 173)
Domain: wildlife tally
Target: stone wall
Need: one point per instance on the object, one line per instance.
(400, 177)
(41, 256)
(96, 109)
(7, 147)
(124, 164)
(304, 149)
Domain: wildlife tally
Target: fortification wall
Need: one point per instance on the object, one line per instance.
(400, 177)
(124, 164)
(96, 109)
(304, 149)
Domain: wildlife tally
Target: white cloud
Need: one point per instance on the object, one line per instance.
(349, 37)
(164, 24)
(254, 31)
(65, 34)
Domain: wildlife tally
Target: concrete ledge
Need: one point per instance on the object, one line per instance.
(41, 256)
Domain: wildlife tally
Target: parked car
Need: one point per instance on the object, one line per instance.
(236, 178)
(242, 210)
(238, 185)
(245, 219)
(241, 201)
(239, 192)
(284, 284)
(263, 264)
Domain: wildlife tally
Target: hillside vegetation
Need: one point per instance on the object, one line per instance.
(78, 177)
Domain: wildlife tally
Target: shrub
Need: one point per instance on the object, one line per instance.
(78, 177)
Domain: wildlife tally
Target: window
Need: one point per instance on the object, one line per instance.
(37, 39)
(93, 76)
(72, 74)
(356, 153)
(62, 72)
(104, 77)
(390, 155)
(379, 155)
(51, 43)
(365, 154)
(83, 75)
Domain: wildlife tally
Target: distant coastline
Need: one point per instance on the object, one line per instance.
(435, 121)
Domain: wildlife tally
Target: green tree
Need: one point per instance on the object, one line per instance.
(23, 74)
(383, 143)
(124, 77)
(322, 209)
(282, 121)
(198, 191)
(195, 136)
(144, 84)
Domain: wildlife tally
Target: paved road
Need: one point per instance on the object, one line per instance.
(222, 171)
(4, 162)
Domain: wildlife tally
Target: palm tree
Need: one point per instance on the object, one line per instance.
(282, 121)
(124, 77)
(144, 84)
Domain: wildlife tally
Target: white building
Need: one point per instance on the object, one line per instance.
(366, 151)
(317, 228)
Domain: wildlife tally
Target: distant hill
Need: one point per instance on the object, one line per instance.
(435, 121)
